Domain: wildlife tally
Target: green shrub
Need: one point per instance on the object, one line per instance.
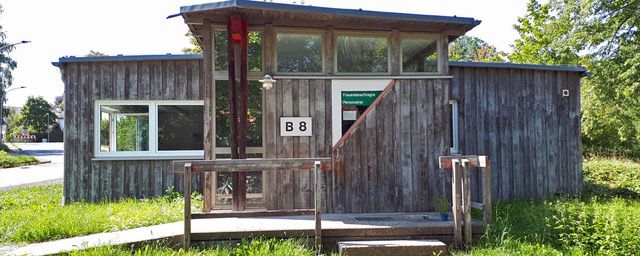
(8, 160)
(611, 177)
(604, 221)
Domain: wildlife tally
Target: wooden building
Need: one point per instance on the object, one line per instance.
(373, 90)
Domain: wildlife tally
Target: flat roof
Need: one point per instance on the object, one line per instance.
(71, 59)
(248, 4)
(578, 69)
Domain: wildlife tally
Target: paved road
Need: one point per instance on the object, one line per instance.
(35, 174)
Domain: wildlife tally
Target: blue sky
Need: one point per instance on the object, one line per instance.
(74, 27)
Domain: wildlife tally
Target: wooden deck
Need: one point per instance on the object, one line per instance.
(335, 227)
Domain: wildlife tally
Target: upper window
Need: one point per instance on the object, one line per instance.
(149, 128)
(362, 54)
(254, 50)
(300, 53)
(419, 55)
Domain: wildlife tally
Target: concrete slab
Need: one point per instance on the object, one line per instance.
(392, 247)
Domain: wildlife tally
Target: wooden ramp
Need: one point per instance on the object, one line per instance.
(335, 227)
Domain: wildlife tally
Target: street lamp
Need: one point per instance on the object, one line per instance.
(14, 44)
(2, 97)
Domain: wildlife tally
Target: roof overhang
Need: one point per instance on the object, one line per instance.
(259, 13)
(73, 59)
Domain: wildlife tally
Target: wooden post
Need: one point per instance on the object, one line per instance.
(187, 206)
(466, 192)
(318, 206)
(456, 197)
(209, 117)
(486, 190)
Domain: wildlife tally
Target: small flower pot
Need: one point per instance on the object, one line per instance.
(444, 217)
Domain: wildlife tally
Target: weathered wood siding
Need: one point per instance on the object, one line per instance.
(389, 162)
(296, 97)
(519, 118)
(91, 180)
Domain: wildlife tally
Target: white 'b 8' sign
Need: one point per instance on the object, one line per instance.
(295, 126)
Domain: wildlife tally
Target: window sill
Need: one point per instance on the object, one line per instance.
(139, 158)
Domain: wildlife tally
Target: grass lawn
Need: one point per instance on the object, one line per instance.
(8, 160)
(605, 220)
(254, 247)
(36, 214)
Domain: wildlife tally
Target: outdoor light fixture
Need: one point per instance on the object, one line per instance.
(267, 81)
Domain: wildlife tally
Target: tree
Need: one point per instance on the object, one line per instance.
(37, 114)
(7, 65)
(93, 53)
(471, 48)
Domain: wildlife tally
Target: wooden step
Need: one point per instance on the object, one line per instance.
(392, 247)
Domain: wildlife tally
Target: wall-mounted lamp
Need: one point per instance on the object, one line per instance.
(267, 81)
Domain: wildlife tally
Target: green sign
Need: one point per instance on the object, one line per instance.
(358, 98)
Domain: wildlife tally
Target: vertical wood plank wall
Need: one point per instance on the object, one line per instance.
(519, 118)
(389, 162)
(296, 97)
(89, 180)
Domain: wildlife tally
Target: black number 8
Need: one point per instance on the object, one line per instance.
(303, 126)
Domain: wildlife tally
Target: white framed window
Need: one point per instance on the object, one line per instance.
(453, 126)
(362, 53)
(299, 52)
(419, 54)
(149, 129)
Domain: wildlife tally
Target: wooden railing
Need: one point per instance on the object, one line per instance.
(245, 165)
(461, 194)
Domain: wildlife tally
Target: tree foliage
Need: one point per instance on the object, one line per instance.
(603, 36)
(93, 53)
(37, 114)
(471, 48)
(7, 65)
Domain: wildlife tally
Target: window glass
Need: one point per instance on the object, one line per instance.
(124, 128)
(357, 54)
(254, 50)
(180, 127)
(299, 53)
(419, 55)
(223, 114)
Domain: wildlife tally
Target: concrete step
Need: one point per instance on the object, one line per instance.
(392, 247)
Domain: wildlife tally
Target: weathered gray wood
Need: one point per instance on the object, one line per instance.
(304, 180)
(252, 213)
(456, 202)
(187, 206)
(486, 191)
(466, 208)
(407, 124)
(421, 199)
(394, 52)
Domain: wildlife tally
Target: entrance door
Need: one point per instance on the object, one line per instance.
(349, 99)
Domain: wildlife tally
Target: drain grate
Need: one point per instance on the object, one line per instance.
(373, 218)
